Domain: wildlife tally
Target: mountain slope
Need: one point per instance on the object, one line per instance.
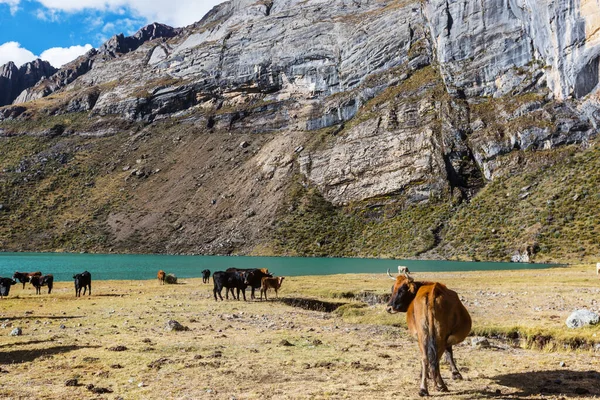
(371, 128)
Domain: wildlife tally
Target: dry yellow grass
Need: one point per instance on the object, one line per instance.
(269, 350)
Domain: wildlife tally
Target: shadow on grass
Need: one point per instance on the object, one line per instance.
(24, 343)
(33, 316)
(310, 304)
(545, 383)
(23, 356)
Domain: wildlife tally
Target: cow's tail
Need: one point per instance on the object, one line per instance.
(431, 345)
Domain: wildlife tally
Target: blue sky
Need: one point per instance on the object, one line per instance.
(61, 30)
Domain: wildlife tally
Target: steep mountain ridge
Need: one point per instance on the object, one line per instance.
(13, 79)
(269, 113)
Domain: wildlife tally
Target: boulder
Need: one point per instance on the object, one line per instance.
(580, 318)
(480, 343)
(16, 332)
(173, 325)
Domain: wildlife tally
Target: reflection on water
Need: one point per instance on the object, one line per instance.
(137, 267)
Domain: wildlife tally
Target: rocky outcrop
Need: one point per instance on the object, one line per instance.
(121, 44)
(114, 47)
(14, 80)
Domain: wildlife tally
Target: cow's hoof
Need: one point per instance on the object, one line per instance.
(423, 392)
(441, 388)
(457, 376)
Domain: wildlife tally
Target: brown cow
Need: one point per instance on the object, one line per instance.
(437, 318)
(25, 277)
(267, 283)
(161, 276)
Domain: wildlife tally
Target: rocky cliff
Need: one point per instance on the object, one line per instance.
(13, 79)
(315, 127)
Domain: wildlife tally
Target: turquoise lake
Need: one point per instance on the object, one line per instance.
(140, 267)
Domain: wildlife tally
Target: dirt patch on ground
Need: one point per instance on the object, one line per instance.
(311, 304)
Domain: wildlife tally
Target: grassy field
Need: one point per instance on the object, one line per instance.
(116, 340)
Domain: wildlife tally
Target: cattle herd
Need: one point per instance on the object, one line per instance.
(37, 280)
(434, 314)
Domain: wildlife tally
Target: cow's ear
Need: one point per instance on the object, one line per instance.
(412, 287)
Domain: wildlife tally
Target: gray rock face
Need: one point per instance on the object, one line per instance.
(120, 44)
(497, 47)
(391, 98)
(397, 151)
(13, 79)
(580, 318)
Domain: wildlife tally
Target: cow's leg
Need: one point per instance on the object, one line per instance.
(232, 293)
(244, 294)
(439, 382)
(450, 359)
(424, 368)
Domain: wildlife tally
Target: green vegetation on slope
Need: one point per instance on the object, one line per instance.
(549, 207)
(310, 226)
(54, 194)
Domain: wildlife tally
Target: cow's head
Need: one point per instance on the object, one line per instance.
(247, 277)
(403, 293)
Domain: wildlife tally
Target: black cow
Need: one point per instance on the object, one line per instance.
(83, 281)
(229, 280)
(206, 276)
(25, 277)
(5, 284)
(253, 277)
(39, 281)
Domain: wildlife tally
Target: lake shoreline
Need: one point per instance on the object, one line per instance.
(133, 267)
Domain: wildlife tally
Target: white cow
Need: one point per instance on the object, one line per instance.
(597, 268)
(402, 270)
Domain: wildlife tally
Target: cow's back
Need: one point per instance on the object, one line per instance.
(450, 317)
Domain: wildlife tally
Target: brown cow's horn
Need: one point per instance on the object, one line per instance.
(391, 277)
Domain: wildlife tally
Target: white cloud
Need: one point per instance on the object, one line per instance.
(47, 15)
(174, 13)
(12, 51)
(108, 28)
(59, 56)
(13, 4)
